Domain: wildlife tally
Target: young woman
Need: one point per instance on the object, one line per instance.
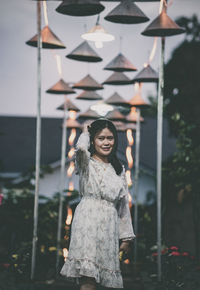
(102, 218)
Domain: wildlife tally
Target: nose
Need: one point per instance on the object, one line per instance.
(106, 141)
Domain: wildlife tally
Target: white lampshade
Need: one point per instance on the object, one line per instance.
(98, 34)
(101, 108)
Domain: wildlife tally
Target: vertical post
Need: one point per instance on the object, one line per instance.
(159, 155)
(62, 183)
(38, 142)
(136, 180)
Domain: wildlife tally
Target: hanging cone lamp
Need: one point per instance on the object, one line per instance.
(117, 100)
(88, 84)
(89, 114)
(120, 63)
(146, 75)
(118, 79)
(126, 13)
(72, 124)
(69, 106)
(60, 88)
(115, 115)
(89, 95)
(163, 26)
(138, 102)
(80, 7)
(84, 52)
(49, 39)
(132, 116)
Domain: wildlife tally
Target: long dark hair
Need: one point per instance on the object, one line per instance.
(97, 126)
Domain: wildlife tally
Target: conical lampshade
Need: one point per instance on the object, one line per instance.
(80, 7)
(89, 95)
(72, 124)
(163, 26)
(115, 115)
(117, 100)
(138, 102)
(120, 63)
(49, 39)
(146, 75)
(60, 88)
(118, 79)
(89, 114)
(127, 13)
(69, 106)
(88, 84)
(98, 34)
(84, 52)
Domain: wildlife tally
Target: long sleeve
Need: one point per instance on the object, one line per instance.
(125, 221)
(82, 153)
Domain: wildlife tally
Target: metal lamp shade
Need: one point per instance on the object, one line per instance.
(72, 124)
(115, 115)
(117, 100)
(49, 39)
(138, 102)
(126, 13)
(146, 75)
(89, 95)
(84, 52)
(118, 79)
(61, 88)
(120, 63)
(88, 84)
(163, 26)
(69, 106)
(80, 7)
(89, 114)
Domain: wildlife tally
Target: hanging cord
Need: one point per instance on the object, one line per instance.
(45, 13)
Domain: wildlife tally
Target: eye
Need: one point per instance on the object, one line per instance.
(101, 138)
(110, 138)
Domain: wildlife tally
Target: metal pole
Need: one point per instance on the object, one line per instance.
(159, 155)
(62, 184)
(136, 181)
(38, 143)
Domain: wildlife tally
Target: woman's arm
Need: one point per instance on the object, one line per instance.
(82, 153)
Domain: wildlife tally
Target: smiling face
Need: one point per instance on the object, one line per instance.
(103, 143)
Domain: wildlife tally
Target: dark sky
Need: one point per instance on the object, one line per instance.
(18, 61)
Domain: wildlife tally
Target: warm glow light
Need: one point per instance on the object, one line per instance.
(71, 168)
(71, 186)
(128, 177)
(129, 137)
(71, 152)
(69, 216)
(136, 86)
(97, 33)
(72, 136)
(72, 115)
(45, 13)
(129, 156)
(65, 254)
(127, 261)
(129, 200)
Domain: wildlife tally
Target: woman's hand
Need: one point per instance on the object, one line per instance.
(124, 247)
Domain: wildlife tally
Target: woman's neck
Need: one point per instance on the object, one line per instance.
(100, 158)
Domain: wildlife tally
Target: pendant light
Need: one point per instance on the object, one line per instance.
(120, 64)
(60, 88)
(126, 13)
(84, 52)
(146, 75)
(118, 79)
(80, 7)
(88, 83)
(89, 95)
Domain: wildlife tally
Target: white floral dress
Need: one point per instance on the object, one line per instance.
(101, 218)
